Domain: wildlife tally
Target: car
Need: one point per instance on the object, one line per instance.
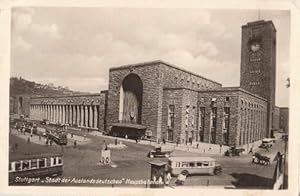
(159, 152)
(267, 143)
(234, 151)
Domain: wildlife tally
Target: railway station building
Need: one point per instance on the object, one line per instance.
(160, 101)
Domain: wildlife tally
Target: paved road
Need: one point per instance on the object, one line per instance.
(132, 163)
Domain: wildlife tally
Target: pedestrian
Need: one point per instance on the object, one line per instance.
(197, 145)
(75, 143)
(39, 137)
(267, 148)
(220, 148)
(84, 136)
(28, 140)
(164, 141)
(72, 134)
(104, 146)
(51, 142)
(16, 146)
(116, 142)
(253, 159)
(136, 140)
(168, 180)
(126, 136)
(251, 150)
(47, 140)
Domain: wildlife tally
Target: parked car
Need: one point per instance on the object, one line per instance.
(234, 151)
(159, 152)
(267, 143)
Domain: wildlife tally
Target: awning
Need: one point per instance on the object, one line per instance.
(129, 125)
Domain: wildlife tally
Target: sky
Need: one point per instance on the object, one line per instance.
(75, 47)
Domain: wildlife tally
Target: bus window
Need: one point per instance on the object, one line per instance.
(199, 164)
(54, 160)
(48, 161)
(192, 164)
(33, 164)
(18, 166)
(25, 165)
(41, 163)
(205, 163)
(185, 164)
(177, 164)
(59, 160)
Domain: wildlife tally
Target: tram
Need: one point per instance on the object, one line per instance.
(32, 166)
(58, 135)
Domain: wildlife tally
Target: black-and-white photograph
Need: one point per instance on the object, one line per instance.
(164, 98)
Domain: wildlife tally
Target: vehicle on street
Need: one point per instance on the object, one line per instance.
(234, 151)
(160, 151)
(58, 135)
(33, 166)
(267, 143)
(193, 166)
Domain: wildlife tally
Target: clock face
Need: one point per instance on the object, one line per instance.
(255, 46)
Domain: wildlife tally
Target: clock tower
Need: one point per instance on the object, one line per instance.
(258, 63)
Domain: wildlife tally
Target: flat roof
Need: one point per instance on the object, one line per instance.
(258, 22)
(191, 159)
(62, 96)
(156, 62)
(222, 89)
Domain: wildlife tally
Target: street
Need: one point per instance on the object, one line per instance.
(132, 164)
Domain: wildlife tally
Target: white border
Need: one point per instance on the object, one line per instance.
(5, 23)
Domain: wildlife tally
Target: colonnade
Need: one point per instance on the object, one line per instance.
(78, 115)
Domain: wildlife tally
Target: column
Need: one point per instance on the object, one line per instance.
(63, 114)
(77, 115)
(95, 117)
(74, 115)
(70, 114)
(90, 116)
(81, 116)
(66, 114)
(86, 116)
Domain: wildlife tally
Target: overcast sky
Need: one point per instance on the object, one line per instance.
(75, 47)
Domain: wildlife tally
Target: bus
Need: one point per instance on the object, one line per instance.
(193, 165)
(32, 166)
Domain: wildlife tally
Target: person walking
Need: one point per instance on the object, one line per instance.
(51, 142)
(75, 144)
(168, 178)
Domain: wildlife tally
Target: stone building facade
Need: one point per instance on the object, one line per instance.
(226, 116)
(284, 119)
(258, 63)
(160, 101)
(87, 111)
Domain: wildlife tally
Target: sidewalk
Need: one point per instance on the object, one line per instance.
(203, 148)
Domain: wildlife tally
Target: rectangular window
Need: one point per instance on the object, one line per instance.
(171, 116)
(214, 117)
(226, 125)
(41, 163)
(192, 164)
(201, 121)
(33, 164)
(59, 160)
(206, 164)
(25, 165)
(187, 116)
(199, 164)
(18, 166)
(185, 164)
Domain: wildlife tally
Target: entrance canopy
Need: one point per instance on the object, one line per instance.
(129, 125)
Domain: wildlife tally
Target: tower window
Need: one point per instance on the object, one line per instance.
(227, 99)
